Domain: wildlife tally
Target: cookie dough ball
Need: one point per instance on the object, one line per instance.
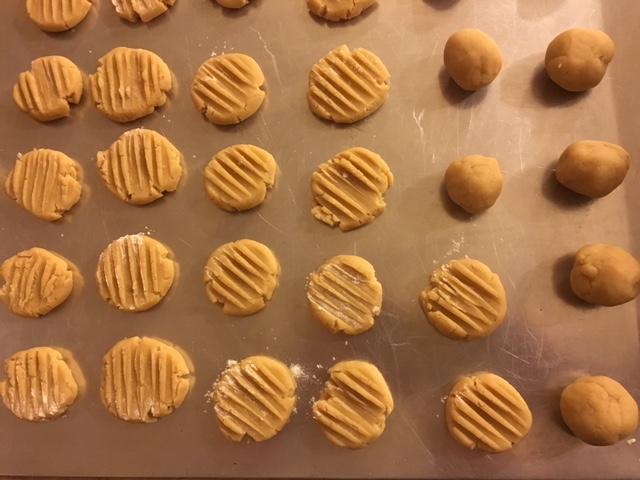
(472, 59)
(591, 168)
(484, 411)
(336, 10)
(578, 58)
(474, 182)
(233, 3)
(57, 15)
(605, 275)
(598, 410)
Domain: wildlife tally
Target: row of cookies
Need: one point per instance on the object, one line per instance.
(144, 379)
(62, 15)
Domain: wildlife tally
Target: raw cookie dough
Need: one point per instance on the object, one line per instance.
(143, 379)
(241, 276)
(45, 92)
(354, 405)
(227, 88)
(134, 273)
(472, 59)
(484, 411)
(44, 183)
(578, 58)
(474, 182)
(605, 275)
(57, 15)
(598, 410)
(593, 168)
(465, 301)
(336, 10)
(344, 294)
(238, 177)
(145, 10)
(254, 397)
(345, 86)
(348, 190)
(39, 385)
(129, 84)
(140, 166)
(36, 282)
(233, 3)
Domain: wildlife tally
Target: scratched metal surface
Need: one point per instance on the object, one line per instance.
(527, 237)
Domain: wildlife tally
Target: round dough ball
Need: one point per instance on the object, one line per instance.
(474, 182)
(598, 410)
(593, 168)
(336, 10)
(233, 3)
(605, 275)
(578, 58)
(472, 59)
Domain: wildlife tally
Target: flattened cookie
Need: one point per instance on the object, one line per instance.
(237, 178)
(134, 273)
(348, 190)
(465, 301)
(354, 405)
(45, 92)
(484, 411)
(227, 88)
(143, 379)
(146, 10)
(140, 166)
(57, 15)
(336, 10)
(345, 86)
(254, 397)
(44, 183)
(241, 276)
(129, 84)
(39, 385)
(36, 282)
(344, 294)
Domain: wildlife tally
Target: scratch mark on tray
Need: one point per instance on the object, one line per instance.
(418, 120)
(410, 423)
(393, 352)
(514, 355)
(273, 57)
(270, 224)
(185, 242)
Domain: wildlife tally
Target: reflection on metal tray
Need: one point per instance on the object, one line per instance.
(527, 237)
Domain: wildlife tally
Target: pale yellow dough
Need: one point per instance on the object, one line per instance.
(348, 190)
(254, 398)
(354, 405)
(145, 10)
(227, 88)
(129, 84)
(45, 92)
(472, 59)
(484, 411)
(336, 10)
(36, 282)
(241, 276)
(598, 410)
(45, 183)
(134, 273)
(605, 275)
(57, 15)
(140, 166)
(465, 300)
(39, 386)
(474, 182)
(347, 86)
(143, 379)
(238, 177)
(344, 294)
(233, 3)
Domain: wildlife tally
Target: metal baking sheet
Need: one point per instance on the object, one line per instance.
(527, 237)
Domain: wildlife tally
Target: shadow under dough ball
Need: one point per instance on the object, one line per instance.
(592, 168)
(577, 59)
(474, 182)
(605, 275)
(598, 410)
(472, 59)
